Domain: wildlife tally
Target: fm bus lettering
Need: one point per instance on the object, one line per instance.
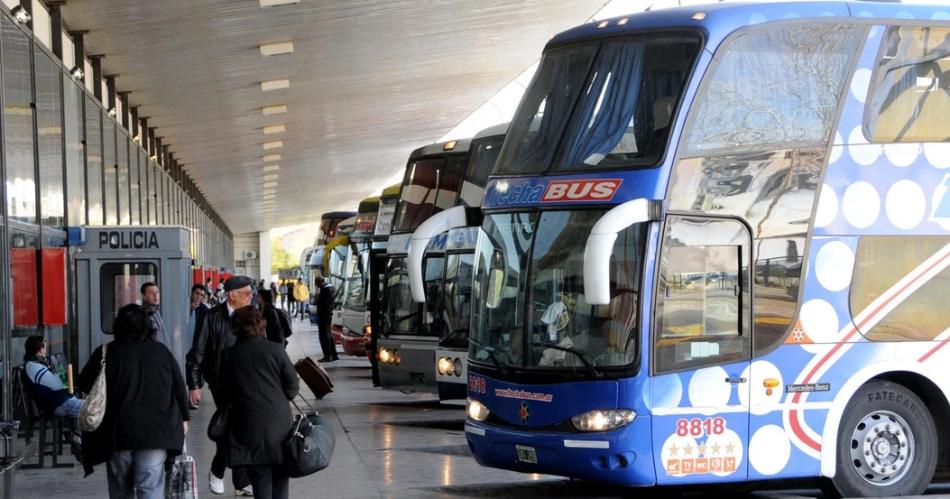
(138, 239)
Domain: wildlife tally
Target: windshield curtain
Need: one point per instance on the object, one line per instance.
(615, 109)
(400, 312)
(457, 299)
(543, 311)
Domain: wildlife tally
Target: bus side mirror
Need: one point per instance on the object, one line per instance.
(600, 245)
(435, 225)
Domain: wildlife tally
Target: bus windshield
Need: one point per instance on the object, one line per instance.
(529, 309)
(457, 299)
(358, 277)
(612, 101)
(400, 313)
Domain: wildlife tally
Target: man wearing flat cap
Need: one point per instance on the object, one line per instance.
(204, 360)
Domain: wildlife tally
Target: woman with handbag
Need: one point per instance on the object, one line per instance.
(262, 381)
(137, 415)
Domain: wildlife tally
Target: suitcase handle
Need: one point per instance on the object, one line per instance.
(293, 401)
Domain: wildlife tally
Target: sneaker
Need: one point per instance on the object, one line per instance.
(216, 484)
(246, 492)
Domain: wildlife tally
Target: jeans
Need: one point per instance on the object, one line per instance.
(70, 407)
(268, 480)
(137, 474)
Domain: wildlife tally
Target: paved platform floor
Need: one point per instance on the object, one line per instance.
(389, 444)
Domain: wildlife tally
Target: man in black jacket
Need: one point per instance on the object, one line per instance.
(204, 361)
(324, 318)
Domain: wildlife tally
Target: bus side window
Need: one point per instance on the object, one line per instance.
(702, 313)
(909, 97)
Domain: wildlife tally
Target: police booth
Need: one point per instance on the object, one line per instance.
(112, 263)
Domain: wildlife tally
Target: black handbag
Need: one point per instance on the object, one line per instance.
(218, 427)
(310, 444)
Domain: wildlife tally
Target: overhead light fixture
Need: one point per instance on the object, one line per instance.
(77, 73)
(450, 145)
(271, 157)
(281, 48)
(272, 110)
(270, 85)
(268, 178)
(270, 184)
(274, 3)
(111, 112)
(699, 16)
(603, 24)
(273, 145)
(21, 15)
(272, 129)
(137, 139)
(270, 168)
(267, 192)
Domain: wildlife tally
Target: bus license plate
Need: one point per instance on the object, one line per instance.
(527, 454)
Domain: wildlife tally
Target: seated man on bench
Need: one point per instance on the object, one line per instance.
(44, 385)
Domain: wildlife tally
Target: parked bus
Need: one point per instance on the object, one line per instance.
(435, 180)
(354, 312)
(388, 201)
(715, 248)
(329, 223)
(336, 255)
(444, 287)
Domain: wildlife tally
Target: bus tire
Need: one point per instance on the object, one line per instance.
(887, 443)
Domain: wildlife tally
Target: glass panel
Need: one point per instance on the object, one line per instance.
(94, 162)
(159, 195)
(111, 189)
(880, 263)
(773, 87)
(17, 84)
(450, 182)
(135, 191)
(457, 299)
(49, 132)
(484, 154)
(401, 314)
(909, 100)
(778, 271)
(122, 160)
(75, 171)
(417, 200)
(433, 275)
(120, 284)
(702, 294)
(544, 109)
(152, 194)
(626, 110)
(358, 278)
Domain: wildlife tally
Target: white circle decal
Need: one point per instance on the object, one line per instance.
(906, 204)
(827, 207)
(902, 154)
(938, 154)
(819, 320)
(708, 389)
(861, 152)
(861, 205)
(860, 83)
(667, 390)
(833, 266)
(765, 384)
(769, 450)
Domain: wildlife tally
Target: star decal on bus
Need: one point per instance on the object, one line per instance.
(524, 412)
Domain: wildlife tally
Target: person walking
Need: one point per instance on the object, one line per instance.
(204, 364)
(324, 318)
(146, 415)
(196, 314)
(274, 328)
(273, 291)
(291, 298)
(262, 381)
(302, 296)
(283, 295)
(151, 302)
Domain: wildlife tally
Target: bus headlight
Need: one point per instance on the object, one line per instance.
(476, 410)
(445, 366)
(457, 365)
(367, 330)
(387, 356)
(603, 420)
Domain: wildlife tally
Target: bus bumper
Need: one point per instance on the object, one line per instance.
(623, 456)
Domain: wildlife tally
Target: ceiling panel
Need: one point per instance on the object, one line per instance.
(369, 82)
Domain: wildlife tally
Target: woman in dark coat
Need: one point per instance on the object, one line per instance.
(146, 409)
(272, 329)
(261, 382)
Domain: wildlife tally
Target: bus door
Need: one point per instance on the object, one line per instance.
(701, 351)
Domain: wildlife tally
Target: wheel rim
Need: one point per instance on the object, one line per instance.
(882, 448)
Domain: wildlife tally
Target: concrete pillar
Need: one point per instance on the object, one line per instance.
(265, 261)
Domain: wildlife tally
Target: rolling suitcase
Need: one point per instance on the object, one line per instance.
(314, 376)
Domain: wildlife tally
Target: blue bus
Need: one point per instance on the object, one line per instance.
(716, 248)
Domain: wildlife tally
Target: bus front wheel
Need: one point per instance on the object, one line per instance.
(887, 443)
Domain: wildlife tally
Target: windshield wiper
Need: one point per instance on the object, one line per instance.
(399, 320)
(490, 350)
(579, 354)
(453, 334)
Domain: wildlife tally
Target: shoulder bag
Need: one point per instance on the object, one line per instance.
(94, 408)
(310, 444)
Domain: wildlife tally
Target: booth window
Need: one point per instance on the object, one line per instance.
(119, 285)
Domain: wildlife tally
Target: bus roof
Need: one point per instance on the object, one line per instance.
(369, 205)
(441, 148)
(718, 20)
(499, 129)
(391, 191)
(337, 214)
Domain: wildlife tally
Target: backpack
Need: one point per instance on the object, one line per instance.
(285, 328)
